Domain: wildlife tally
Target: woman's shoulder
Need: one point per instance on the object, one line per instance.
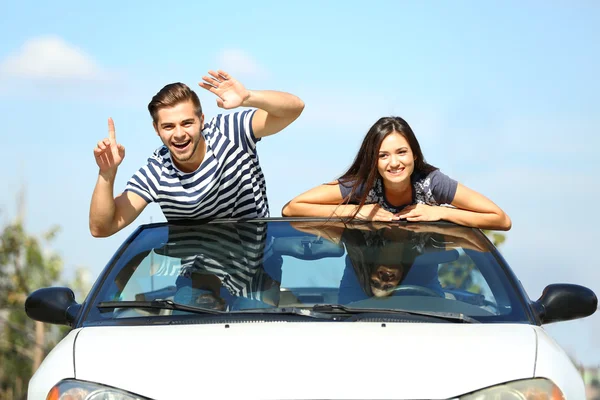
(346, 182)
(433, 176)
(351, 187)
(421, 176)
(434, 187)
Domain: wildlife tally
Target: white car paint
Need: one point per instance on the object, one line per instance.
(57, 365)
(308, 360)
(551, 361)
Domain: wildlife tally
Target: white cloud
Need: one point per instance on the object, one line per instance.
(48, 67)
(239, 63)
(51, 58)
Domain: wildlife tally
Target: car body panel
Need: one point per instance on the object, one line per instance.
(306, 360)
(551, 361)
(182, 355)
(58, 365)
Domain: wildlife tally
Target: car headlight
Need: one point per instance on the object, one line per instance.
(530, 389)
(71, 389)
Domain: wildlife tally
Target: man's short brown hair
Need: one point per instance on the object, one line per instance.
(171, 95)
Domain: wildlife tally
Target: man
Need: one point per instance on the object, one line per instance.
(203, 170)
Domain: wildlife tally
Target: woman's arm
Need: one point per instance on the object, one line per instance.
(321, 201)
(472, 209)
(325, 201)
(476, 210)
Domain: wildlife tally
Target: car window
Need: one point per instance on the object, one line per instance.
(237, 266)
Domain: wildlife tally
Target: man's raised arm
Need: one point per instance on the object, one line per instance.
(109, 215)
(275, 110)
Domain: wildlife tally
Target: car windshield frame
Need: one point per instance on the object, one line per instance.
(136, 242)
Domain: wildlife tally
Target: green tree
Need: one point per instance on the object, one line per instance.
(26, 264)
(459, 274)
(495, 237)
(24, 267)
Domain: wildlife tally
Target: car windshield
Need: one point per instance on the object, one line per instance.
(168, 271)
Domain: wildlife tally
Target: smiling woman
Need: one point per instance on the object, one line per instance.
(390, 180)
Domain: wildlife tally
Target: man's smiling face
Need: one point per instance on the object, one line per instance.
(179, 128)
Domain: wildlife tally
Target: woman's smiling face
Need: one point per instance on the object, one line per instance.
(395, 161)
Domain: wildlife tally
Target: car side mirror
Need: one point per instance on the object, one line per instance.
(53, 305)
(564, 302)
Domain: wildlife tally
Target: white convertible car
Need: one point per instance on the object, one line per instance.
(307, 309)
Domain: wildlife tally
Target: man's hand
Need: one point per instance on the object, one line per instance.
(231, 92)
(374, 212)
(108, 153)
(420, 212)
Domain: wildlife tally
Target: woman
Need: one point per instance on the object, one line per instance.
(390, 180)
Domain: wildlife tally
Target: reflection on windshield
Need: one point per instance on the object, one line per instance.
(257, 265)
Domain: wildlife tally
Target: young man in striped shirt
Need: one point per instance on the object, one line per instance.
(203, 170)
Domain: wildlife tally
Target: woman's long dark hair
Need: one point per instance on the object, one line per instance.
(363, 171)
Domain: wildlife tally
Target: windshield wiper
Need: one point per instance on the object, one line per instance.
(340, 309)
(161, 304)
(318, 311)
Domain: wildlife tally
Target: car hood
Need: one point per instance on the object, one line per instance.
(305, 360)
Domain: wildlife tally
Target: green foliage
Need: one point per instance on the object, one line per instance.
(495, 237)
(459, 274)
(25, 265)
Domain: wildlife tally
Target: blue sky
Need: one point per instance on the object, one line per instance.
(503, 97)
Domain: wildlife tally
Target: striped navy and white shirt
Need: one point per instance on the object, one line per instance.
(235, 253)
(229, 183)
